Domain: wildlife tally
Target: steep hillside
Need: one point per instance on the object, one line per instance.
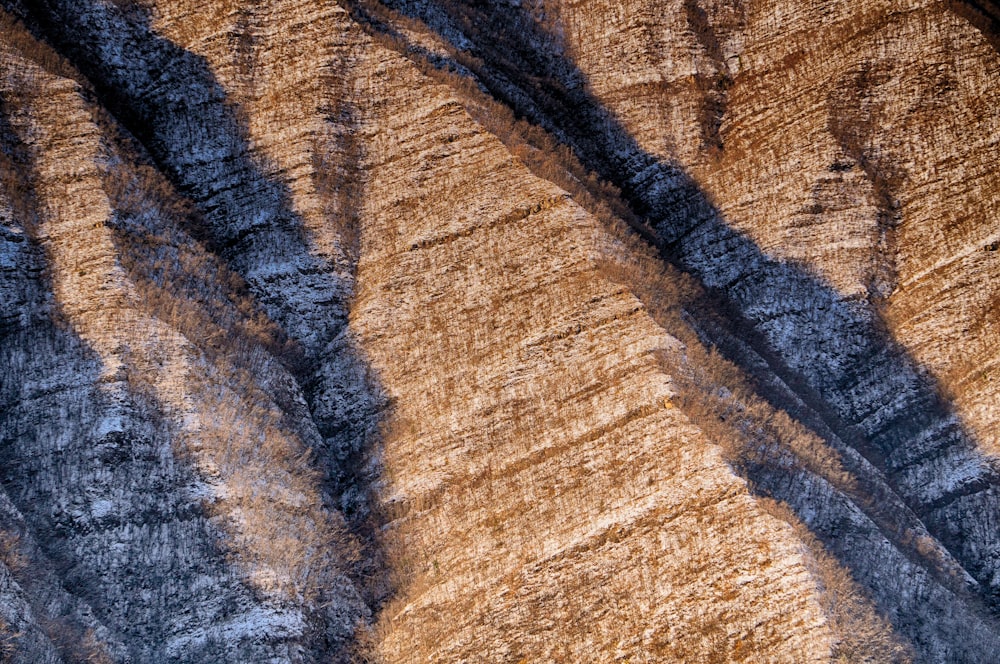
(539, 331)
(154, 444)
(755, 144)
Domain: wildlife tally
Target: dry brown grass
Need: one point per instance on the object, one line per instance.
(713, 391)
(865, 636)
(18, 39)
(8, 640)
(186, 333)
(11, 552)
(536, 148)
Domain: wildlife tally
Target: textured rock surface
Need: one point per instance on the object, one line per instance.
(311, 351)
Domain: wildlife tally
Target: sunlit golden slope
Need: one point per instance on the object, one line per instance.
(314, 351)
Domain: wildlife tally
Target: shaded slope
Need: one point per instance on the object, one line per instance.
(548, 501)
(799, 588)
(167, 474)
(831, 348)
(865, 153)
(537, 469)
(807, 333)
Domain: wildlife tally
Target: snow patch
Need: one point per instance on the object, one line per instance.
(258, 622)
(110, 424)
(101, 508)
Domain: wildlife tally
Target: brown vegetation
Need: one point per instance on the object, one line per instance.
(558, 476)
(186, 333)
(865, 636)
(8, 640)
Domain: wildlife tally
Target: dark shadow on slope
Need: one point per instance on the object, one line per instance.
(832, 354)
(28, 338)
(826, 359)
(72, 439)
(176, 110)
(128, 581)
(983, 14)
